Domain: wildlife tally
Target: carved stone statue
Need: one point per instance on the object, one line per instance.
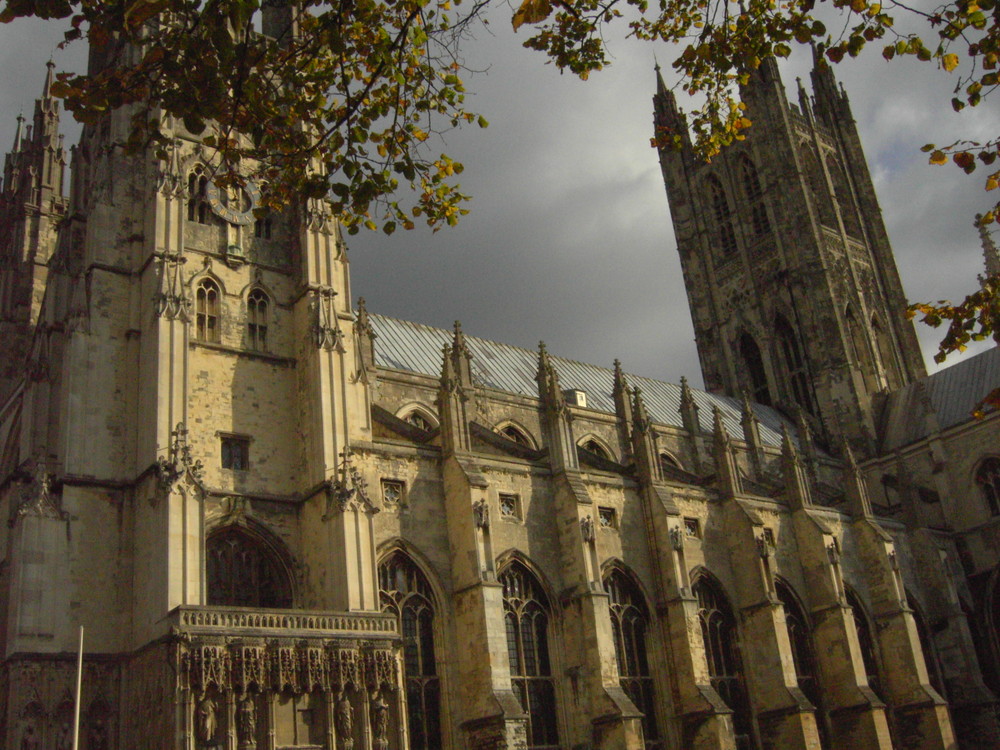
(481, 512)
(380, 722)
(344, 717)
(205, 720)
(246, 722)
(29, 740)
(97, 735)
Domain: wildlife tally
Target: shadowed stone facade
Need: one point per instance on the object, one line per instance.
(286, 522)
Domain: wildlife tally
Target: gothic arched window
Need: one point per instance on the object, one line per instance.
(865, 641)
(526, 618)
(197, 196)
(419, 421)
(816, 180)
(514, 434)
(755, 196)
(755, 369)
(243, 572)
(988, 480)
(257, 309)
(859, 349)
(726, 236)
(592, 446)
(262, 228)
(629, 625)
(926, 645)
(842, 192)
(803, 653)
(206, 306)
(791, 356)
(405, 592)
(883, 343)
(725, 670)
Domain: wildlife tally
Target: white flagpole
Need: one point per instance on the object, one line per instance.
(76, 703)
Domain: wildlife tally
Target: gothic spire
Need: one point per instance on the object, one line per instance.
(19, 134)
(990, 254)
(689, 409)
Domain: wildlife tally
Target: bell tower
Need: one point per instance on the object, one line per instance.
(790, 277)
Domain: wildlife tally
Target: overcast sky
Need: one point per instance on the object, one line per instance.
(569, 239)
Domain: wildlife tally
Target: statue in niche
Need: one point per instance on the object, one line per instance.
(97, 735)
(380, 722)
(64, 737)
(29, 740)
(246, 722)
(345, 722)
(205, 720)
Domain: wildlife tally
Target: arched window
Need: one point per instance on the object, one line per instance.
(668, 462)
(842, 192)
(754, 364)
(725, 235)
(816, 180)
(207, 312)
(795, 370)
(197, 196)
(513, 433)
(419, 421)
(755, 196)
(718, 630)
(803, 653)
(243, 572)
(592, 446)
(526, 617)
(629, 624)
(988, 479)
(926, 646)
(866, 643)
(257, 309)
(405, 592)
(859, 350)
(883, 343)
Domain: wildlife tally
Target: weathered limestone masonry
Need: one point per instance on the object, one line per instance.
(287, 523)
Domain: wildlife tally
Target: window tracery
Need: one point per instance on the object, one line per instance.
(629, 625)
(791, 355)
(419, 421)
(242, 572)
(803, 653)
(197, 196)
(207, 312)
(597, 449)
(755, 369)
(988, 481)
(816, 180)
(842, 193)
(725, 669)
(526, 618)
(513, 433)
(866, 643)
(406, 593)
(755, 196)
(726, 235)
(258, 304)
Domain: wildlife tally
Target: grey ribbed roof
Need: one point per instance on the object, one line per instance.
(953, 393)
(413, 347)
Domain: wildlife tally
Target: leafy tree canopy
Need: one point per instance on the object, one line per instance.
(341, 99)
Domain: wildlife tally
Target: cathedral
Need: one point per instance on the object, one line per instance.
(286, 522)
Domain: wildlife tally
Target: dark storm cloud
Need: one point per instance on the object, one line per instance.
(569, 239)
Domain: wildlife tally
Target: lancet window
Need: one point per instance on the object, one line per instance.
(988, 480)
(755, 369)
(883, 343)
(258, 304)
(859, 348)
(755, 196)
(243, 572)
(803, 653)
(842, 192)
(816, 180)
(723, 216)
(197, 196)
(526, 618)
(725, 669)
(419, 421)
(798, 382)
(262, 228)
(592, 446)
(865, 641)
(926, 646)
(405, 592)
(207, 311)
(629, 625)
(512, 433)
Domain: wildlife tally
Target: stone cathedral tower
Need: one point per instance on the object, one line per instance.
(791, 280)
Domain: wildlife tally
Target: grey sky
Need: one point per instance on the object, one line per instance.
(569, 239)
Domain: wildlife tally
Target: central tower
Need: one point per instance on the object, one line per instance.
(790, 277)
